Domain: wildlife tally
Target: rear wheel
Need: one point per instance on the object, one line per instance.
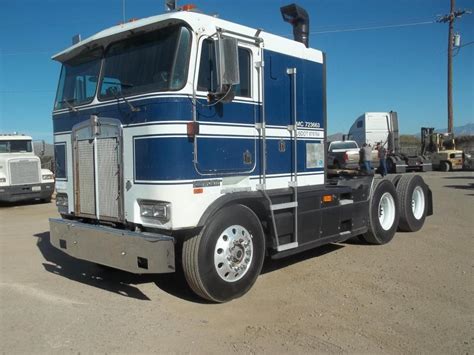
(225, 259)
(412, 194)
(383, 213)
(393, 178)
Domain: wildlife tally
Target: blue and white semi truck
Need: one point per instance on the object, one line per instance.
(187, 139)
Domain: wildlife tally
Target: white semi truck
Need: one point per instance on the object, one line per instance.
(185, 138)
(382, 127)
(21, 175)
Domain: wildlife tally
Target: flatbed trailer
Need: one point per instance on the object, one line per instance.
(215, 160)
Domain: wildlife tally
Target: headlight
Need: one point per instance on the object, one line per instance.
(61, 200)
(48, 177)
(158, 210)
(3, 179)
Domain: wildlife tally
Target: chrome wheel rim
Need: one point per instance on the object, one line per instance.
(386, 211)
(418, 202)
(233, 253)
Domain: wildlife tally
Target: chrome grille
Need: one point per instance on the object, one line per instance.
(108, 177)
(85, 176)
(24, 172)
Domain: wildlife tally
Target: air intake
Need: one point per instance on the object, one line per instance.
(299, 19)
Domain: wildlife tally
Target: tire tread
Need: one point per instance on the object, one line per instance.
(191, 268)
(403, 194)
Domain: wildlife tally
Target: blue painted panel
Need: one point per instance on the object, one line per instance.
(225, 155)
(160, 109)
(278, 89)
(166, 158)
(60, 168)
(163, 159)
(282, 162)
(157, 109)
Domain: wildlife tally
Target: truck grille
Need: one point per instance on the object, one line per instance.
(108, 177)
(24, 172)
(105, 172)
(85, 176)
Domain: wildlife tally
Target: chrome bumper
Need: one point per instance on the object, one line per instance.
(139, 253)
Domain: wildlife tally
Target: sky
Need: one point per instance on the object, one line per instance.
(374, 68)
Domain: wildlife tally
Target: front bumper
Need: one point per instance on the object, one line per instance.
(26, 192)
(138, 253)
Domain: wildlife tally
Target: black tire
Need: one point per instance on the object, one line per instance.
(409, 222)
(444, 166)
(46, 200)
(198, 256)
(393, 178)
(378, 234)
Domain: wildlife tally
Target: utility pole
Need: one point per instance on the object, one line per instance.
(450, 18)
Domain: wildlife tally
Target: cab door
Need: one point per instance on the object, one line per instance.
(227, 139)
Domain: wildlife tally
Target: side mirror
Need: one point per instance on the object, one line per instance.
(227, 68)
(42, 145)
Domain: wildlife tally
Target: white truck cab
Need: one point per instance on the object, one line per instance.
(21, 176)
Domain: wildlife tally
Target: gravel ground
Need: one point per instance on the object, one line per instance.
(414, 295)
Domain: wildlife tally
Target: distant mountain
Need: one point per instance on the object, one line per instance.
(466, 130)
(335, 137)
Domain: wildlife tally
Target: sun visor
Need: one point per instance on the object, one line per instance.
(116, 33)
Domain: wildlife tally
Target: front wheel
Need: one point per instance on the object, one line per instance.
(444, 166)
(383, 213)
(225, 259)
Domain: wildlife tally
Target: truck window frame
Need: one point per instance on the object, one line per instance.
(182, 25)
(241, 50)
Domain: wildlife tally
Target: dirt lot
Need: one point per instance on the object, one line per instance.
(414, 295)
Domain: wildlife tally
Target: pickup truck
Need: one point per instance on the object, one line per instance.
(343, 155)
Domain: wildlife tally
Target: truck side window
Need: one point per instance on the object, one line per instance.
(243, 89)
(207, 80)
(360, 124)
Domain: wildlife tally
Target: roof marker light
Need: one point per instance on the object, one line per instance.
(188, 7)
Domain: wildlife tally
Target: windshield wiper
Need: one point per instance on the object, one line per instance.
(68, 104)
(118, 95)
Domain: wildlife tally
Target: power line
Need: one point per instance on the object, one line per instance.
(466, 44)
(376, 27)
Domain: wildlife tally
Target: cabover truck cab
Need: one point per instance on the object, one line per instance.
(185, 138)
(382, 127)
(21, 175)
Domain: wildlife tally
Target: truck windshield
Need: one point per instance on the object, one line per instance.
(78, 80)
(344, 145)
(16, 146)
(155, 61)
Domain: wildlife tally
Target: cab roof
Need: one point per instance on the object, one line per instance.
(13, 136)
(198, 22)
